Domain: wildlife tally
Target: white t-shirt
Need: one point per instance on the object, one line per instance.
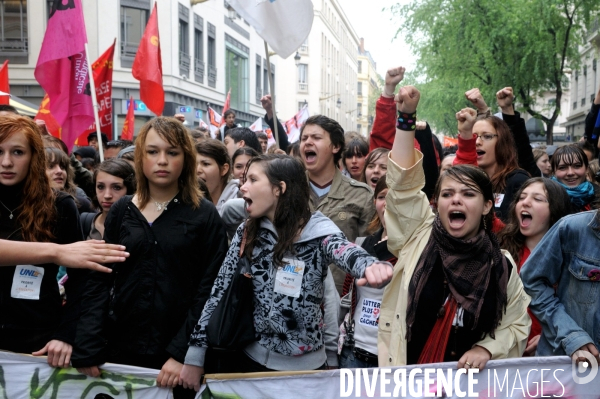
(366, 317)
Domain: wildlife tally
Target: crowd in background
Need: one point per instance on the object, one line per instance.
(403, 252)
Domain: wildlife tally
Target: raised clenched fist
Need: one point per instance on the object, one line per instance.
(505, 97)
(407, 99)
(474, 95)
(392, 77)
(466, 119)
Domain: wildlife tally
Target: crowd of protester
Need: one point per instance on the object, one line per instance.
(407, 252)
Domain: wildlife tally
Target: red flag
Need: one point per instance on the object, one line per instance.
(147, 67)
(129, 126)
(62, 70)
(450, 141)
(226, 106)
(44, 114)
(4, 87)
(103, 71)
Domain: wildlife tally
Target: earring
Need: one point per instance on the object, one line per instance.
(484, 224)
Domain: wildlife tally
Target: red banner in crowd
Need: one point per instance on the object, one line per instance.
(4, 86)
(103, 71)
(226, 106)
(147, 67)
(44, 114)
(129, 126)
(449, 141)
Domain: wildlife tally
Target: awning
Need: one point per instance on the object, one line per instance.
(24, 107)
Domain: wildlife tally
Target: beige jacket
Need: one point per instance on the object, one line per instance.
(349, 204)
(408, 220)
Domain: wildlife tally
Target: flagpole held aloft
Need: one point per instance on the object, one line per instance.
(94, 103)
(271, 85)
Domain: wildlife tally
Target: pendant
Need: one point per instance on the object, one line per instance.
(10, 216)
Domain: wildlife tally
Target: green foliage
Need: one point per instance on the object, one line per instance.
(462, 44)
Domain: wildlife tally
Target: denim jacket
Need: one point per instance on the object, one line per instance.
(569, 256)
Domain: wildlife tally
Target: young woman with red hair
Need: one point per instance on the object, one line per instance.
(31, 312)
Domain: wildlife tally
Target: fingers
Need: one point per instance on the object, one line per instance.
(593, 350)
(160, 377)
(42, 351)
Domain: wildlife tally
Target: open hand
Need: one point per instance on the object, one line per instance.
(474, 95)
(377, 275)
(393, 76)
(89, 254)
(407, 99)
(59, 353)
(466, 118)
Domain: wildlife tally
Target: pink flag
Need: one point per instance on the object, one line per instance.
(63, 72)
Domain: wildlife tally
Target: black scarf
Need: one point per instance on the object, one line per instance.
(468, 266)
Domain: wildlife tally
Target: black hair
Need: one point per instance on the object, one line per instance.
(474, 178)
(569, 154)
(228, 112)
(8, 108)
(216, 150)
(261, 135)
(94, 135)
(88, 162)
(587, 146)
(238, 134)
(118, 168)
(559, 203)
(244, 151)
(292, 212)
(118, 144)
(335, 130)
(356, 146)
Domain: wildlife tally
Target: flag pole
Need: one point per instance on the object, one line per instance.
(271, 83)
(94, 103)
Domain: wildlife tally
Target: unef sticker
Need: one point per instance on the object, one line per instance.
(498, 199)
(27, 282)
(288, 280)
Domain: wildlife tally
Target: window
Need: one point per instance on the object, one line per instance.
(359, 66)
(359, 89)
(265, 79)
(184, 56)
(359, 109)
(134, 16)
(583, 101)
(198, 50)
(303, 77)
(552, 102)
(236, 71)
(13, 31)
(212, 55)
(258, 76)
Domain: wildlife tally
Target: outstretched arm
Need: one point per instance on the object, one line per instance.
(83, 254)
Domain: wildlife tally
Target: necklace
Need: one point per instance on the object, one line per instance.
(159, 205)
(11, 212)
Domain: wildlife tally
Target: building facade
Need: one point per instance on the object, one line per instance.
(325, 75)
(584, 82)
(205, 52)
(367, 91)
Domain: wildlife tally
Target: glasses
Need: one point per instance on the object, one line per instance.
(486, 137)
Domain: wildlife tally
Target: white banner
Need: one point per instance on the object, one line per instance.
(510, 378)
(25, 377)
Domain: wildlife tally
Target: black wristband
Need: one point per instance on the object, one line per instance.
(407, 121)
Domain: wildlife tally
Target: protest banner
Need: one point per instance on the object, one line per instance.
(31, 377)
(526, 377)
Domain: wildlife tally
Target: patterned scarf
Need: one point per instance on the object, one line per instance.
(468, 266)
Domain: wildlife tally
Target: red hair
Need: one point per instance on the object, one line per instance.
(37, 214)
